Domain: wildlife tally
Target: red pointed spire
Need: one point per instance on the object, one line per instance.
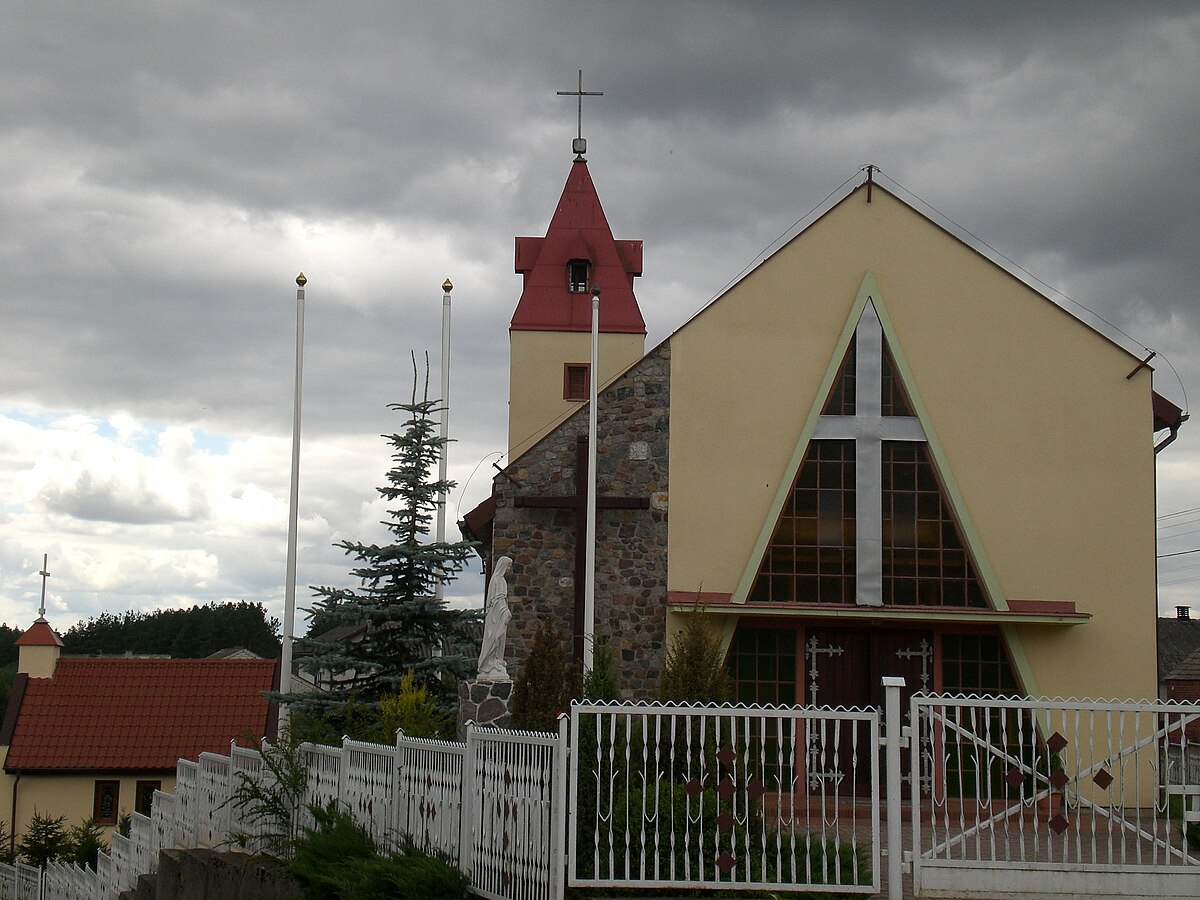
(39, 634)
(579, 232)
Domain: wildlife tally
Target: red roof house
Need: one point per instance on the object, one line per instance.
(93, 738)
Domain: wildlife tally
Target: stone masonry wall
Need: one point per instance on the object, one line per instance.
(633, 419)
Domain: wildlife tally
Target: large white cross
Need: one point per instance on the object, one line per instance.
(868, 428)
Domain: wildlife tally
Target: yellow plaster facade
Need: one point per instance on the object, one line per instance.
(71, 796)
(536, 363)
(37, 661)
(1029, 413)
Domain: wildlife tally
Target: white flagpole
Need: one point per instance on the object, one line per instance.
(289, 596)
(589, 577)
(440, 588)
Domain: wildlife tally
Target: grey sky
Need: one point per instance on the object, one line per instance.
(166, 169)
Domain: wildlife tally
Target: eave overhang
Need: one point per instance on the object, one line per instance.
(1166, 413)
(1020, 612)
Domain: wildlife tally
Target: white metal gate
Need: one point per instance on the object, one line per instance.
(664, 795)
(1069, 798)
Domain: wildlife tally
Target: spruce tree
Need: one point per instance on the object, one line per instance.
(407, 628)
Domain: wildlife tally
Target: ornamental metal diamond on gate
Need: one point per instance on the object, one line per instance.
(724, 796)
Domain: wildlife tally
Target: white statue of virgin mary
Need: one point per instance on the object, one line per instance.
(496, 616)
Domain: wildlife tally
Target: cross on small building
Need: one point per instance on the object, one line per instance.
(578, 503)
(45, 573)
(579, 146)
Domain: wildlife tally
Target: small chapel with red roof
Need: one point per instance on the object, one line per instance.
(88, 737)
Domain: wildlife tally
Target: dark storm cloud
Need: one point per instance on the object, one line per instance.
(98, 498)
(1023, 122)
(165, 169)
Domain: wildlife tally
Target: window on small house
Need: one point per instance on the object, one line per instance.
(144, 796)
(107, 802)
(577, 276)
(576, 385)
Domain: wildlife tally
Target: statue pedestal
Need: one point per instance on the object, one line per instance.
(484, 703)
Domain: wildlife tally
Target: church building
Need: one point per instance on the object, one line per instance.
(879, 453)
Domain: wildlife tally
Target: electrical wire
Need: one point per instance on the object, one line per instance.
(1177, 378)
(1171, 537)
(462, 490)
(1178, 553)
(1171, 584)
(1047, 286)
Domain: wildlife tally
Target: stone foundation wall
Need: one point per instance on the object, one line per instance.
(204, 874)
(631, 545)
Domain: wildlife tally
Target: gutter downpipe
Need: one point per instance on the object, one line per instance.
(1170, 438)
(12, 831)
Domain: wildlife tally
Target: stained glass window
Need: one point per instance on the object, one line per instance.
(811, 555)
(867, 521)
(924, 560)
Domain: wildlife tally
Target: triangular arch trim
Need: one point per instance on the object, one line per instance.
(788, 478)
(983, 566)
(868, 292)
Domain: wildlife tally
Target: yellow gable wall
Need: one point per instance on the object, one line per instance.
(1048, 443)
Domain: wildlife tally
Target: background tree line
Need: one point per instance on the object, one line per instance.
(179, 633)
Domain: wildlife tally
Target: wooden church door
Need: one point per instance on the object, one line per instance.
(844, 667)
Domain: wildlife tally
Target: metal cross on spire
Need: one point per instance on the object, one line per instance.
(45, 573)
(579, 145)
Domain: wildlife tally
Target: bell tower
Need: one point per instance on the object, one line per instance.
(550, 332)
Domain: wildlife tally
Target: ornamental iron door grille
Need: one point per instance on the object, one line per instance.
(844, 668)
(666, 795)
(1077, 797)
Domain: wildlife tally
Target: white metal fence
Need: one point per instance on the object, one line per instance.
(1008, 798)
(491, 803)
(725, 796)
(1076, 796)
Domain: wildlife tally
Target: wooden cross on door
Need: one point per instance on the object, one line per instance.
(578, 503)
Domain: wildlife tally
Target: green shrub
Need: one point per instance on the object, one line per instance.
(690, 839)
(545, 685)
(407, 876)
(337, 859)
(44, 841)
(833, 862)
(694, 668)
(600, 683)
(322, 854)
(413, 711)
(1190, 831)
(84, 843)
(327, 723)
(348, 714)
